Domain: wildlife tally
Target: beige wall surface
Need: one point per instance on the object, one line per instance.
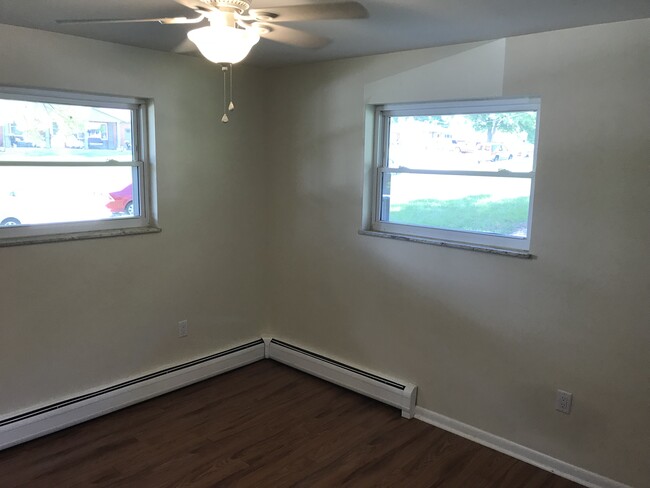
(260, 222)
(488, 339)
(79, 315)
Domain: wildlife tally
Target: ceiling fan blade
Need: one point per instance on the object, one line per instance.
(293, 37)
(319, 11)
(161, 20)
(195, 5)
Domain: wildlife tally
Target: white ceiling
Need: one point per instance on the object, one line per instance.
(392, 25)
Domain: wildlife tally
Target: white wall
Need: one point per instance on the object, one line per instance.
(78, 315)
(488, 339)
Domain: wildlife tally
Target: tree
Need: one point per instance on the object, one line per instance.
(510, 122)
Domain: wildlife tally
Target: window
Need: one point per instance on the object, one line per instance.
(457, 173)
(71, 163)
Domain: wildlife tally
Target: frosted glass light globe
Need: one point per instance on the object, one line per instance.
(224, 44)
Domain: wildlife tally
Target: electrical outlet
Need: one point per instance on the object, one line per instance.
(563, 401)
(182, 328)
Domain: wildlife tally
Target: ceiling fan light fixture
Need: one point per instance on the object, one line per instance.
(224, 44)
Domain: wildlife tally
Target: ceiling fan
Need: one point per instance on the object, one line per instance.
(234, 28)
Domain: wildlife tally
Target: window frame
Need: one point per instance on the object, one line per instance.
(441, 236)
(142, 223)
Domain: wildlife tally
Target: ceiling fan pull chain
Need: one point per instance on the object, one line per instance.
(231, 106)
(224, 69)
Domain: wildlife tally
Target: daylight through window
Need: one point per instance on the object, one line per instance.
(461, 172)
(70, 163)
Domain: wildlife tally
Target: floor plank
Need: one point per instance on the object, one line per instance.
(262, 425)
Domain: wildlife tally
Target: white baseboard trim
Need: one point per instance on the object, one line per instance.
(45, 420)
(394, 393)
(517, 451)
(51, 418)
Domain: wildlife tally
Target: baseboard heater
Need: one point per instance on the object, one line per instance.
(400, 395)
(62, 414)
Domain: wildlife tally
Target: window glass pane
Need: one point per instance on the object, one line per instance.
(466, 203)
(35, 131)
(463, 142)
(52, 194)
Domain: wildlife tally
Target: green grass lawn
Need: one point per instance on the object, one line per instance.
(474, 213)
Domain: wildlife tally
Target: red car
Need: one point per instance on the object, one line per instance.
(121, 201)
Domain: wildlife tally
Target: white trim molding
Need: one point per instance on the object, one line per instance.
(395, 393)
(517, 451)
(22, 427)
(50, 418)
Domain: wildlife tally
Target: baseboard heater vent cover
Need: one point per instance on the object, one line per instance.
(56, 416)
(400, 395)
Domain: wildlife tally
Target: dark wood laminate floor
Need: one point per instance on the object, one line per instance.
(265, 425)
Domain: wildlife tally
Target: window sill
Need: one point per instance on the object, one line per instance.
(77, 236)
(454, 245)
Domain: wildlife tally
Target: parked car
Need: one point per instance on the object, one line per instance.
(121, 202)
(523, 150)
(493, 152)
(464, 146)
(19, 141)
(72, 142)
(7, 221)
(34, 208)
(9, 212)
